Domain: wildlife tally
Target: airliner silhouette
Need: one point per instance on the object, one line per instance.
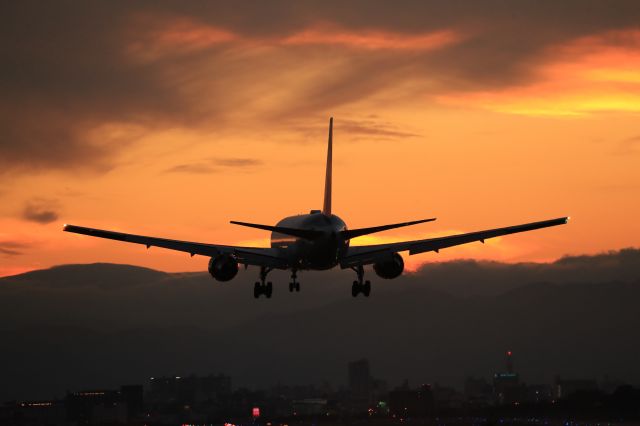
(315, 241)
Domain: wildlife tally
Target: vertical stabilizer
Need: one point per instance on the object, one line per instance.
(326, 207)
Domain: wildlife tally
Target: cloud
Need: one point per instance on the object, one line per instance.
(628, 146)
(12, 248)
(585, 75)
(215, 165)
(237, 162)
(40, 211)
(369, 128)
(69, 68)
(196, 168)
(374, 128)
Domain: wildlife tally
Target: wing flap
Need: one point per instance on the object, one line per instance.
(364, 255)
(247, 255)
(435, 244)
(261, 257)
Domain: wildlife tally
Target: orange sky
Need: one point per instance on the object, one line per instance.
(195, 120)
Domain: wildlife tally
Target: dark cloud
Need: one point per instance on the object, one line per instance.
(67, 67)
(63, 73)
(215, 165)
(40, 211)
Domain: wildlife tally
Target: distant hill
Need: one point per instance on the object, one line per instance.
(99, 325)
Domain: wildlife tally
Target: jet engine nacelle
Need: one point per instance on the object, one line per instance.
(223, 267)
(390, 268)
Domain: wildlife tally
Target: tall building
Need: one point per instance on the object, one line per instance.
(360, 386)
(360, 379)
(509, 361)
(506, 385)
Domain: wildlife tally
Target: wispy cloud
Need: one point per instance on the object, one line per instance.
(586, 75)
(215, 165)
(12, 248)
(370, 128)
(629, 146)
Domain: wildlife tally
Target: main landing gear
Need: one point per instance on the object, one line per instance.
(294, 285)
(261, 287)
(359, 286)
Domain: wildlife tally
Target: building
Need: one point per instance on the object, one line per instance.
(105, 406)
(189, 390)
(405, 402)
(360, 379)
(360, 386)
(50, 412)
(478, 392)
(564, 388)
(310, 407)
(507, 388)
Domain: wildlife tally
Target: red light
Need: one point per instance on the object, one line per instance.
(508, 353)
(255, 412)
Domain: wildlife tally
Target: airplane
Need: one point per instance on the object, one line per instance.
(315, 241)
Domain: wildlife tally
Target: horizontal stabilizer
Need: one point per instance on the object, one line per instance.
(308, 234)
(353, 233)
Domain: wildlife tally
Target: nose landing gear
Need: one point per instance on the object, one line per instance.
(294, 285)
(260, 287)
(360, 286)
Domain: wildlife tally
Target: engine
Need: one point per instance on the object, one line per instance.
(223, 267)
(389, 268)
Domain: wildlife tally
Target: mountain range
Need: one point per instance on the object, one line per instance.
(73, 327)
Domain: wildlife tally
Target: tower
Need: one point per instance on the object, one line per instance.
(509, 361)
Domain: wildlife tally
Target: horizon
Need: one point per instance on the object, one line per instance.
(415, 270)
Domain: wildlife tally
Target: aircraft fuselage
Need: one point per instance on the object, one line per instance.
(320, 253)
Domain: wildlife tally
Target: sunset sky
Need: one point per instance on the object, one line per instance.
(172, 118)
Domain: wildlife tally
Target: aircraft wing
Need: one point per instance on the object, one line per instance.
(364, 255)
(246, 255)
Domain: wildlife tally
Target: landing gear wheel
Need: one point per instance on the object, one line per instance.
(355, 289)
(291, 285)
(366, 288)
(297, 287)
(256, 290)
(268, 290)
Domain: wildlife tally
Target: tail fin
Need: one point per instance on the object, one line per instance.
(326, 207)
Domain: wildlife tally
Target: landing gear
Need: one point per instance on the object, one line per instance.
(360, 286)
(294, 285)
(260, 287)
